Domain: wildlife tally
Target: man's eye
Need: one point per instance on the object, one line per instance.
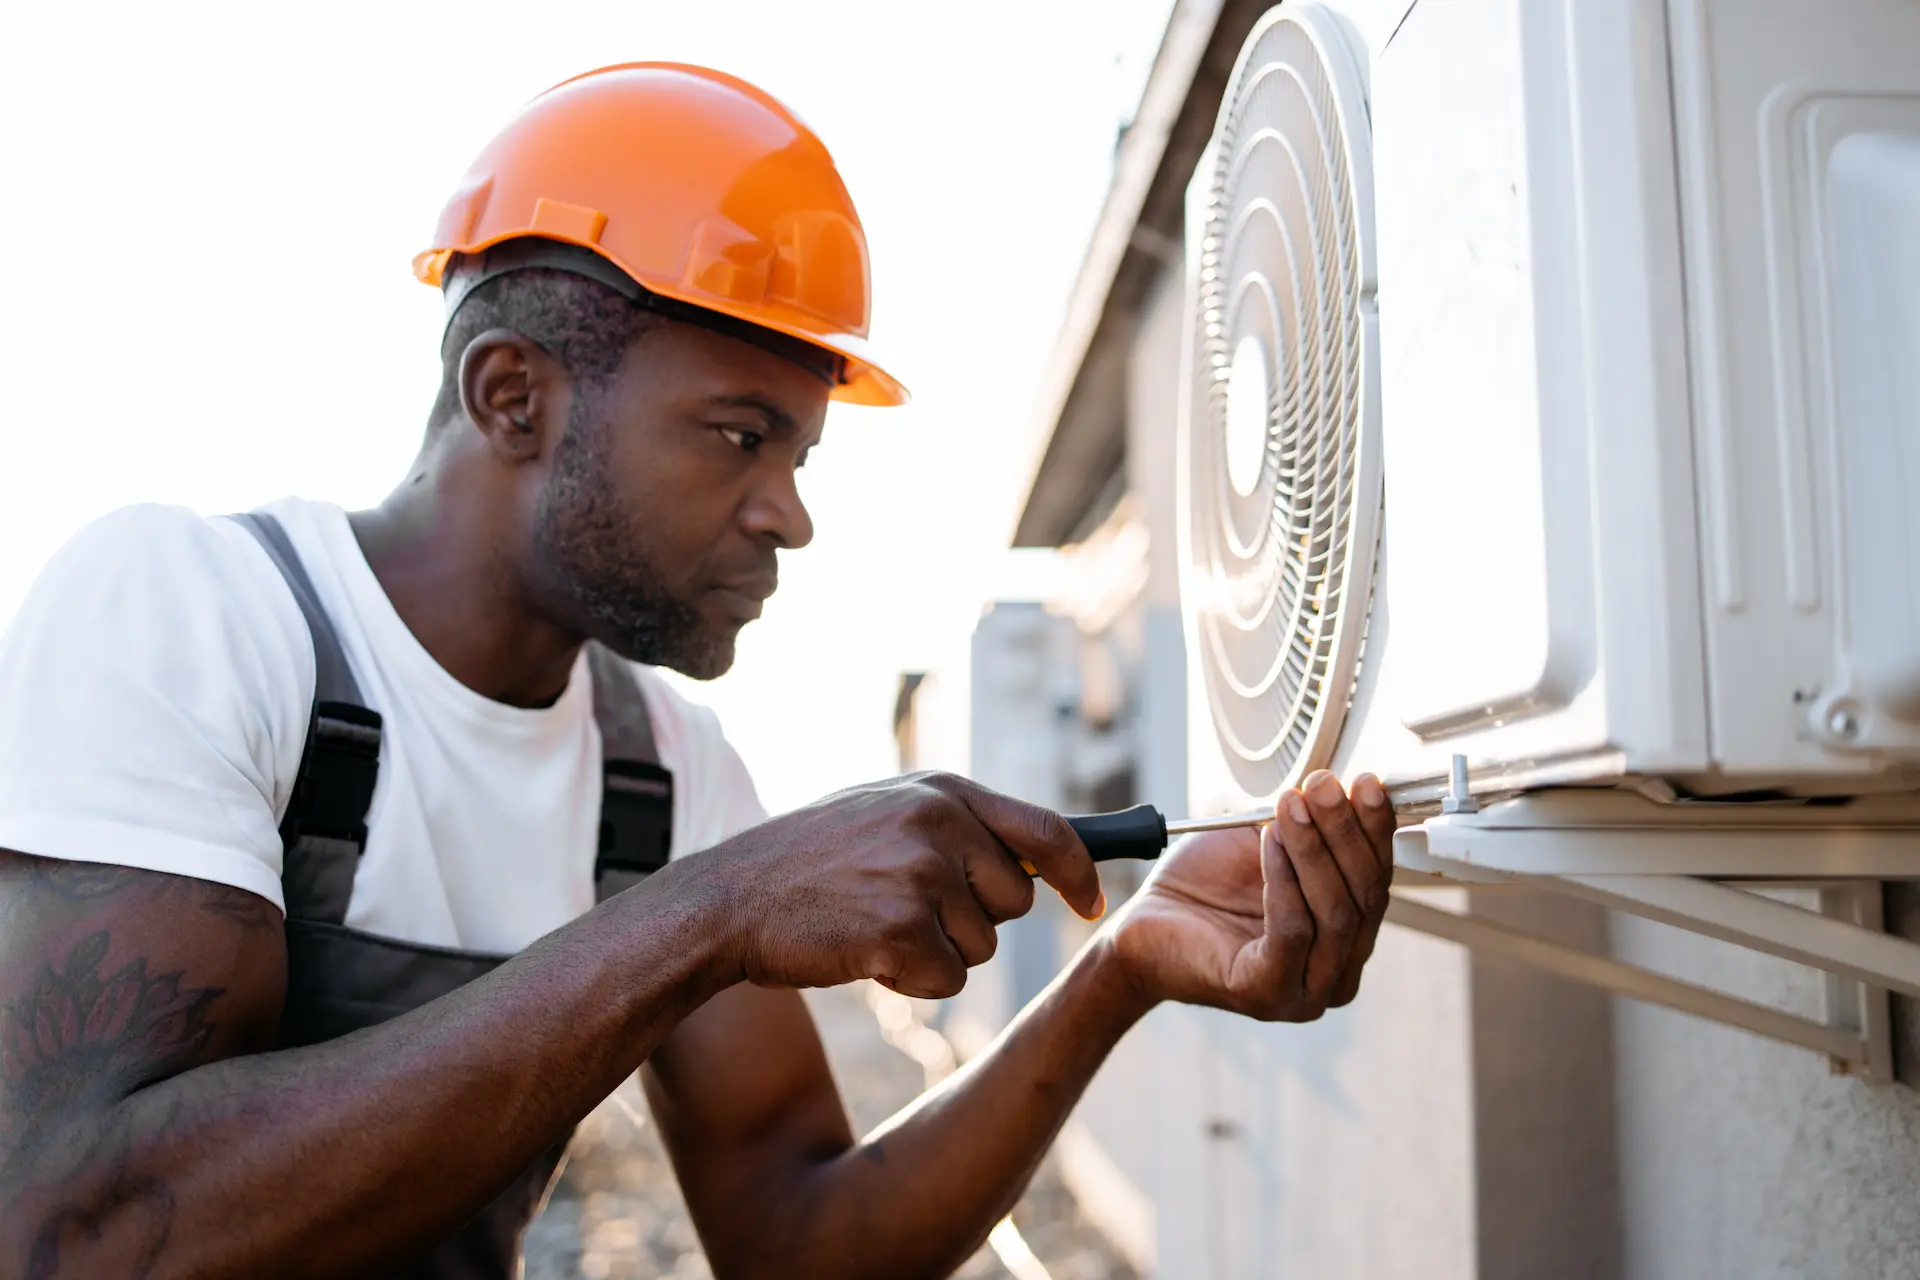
(743, 438)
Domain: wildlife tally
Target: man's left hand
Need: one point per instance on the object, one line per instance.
(1275, 923)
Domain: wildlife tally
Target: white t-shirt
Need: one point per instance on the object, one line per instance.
(154, 695)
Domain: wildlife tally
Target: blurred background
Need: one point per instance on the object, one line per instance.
(214, 209)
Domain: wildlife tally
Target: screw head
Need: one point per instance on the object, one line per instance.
(1843, 721)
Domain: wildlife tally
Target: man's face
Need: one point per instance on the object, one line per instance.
(671, 491)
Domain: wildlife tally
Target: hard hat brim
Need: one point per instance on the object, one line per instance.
(866, 381)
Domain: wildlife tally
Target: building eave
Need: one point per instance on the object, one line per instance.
(1079, 420)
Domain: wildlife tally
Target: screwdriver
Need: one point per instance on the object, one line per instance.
(1143, 831)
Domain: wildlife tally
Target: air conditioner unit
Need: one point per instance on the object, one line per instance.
(1551, 443)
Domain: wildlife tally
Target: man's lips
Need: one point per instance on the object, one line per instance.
(746, 596)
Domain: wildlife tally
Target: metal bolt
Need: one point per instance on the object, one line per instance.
(1459, 790)
(1842, 722)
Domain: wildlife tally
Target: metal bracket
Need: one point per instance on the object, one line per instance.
(1695, 866)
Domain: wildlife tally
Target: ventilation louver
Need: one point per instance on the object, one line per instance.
(1281, 448)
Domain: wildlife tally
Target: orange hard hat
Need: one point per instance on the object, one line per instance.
(702, 189)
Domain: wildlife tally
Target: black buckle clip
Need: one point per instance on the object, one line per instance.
(334, 792)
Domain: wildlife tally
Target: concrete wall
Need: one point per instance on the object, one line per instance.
(1545, 1124)
(1742, 1158)
(1351, 1152)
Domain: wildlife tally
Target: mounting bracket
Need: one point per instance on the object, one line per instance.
(1702, 867)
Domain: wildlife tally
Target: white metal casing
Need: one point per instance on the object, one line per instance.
(1790, 125)
(1650, 383)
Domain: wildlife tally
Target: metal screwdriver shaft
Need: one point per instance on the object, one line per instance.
(1251, 818)
(1143, 831)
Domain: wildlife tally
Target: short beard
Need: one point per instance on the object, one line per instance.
(597, 558)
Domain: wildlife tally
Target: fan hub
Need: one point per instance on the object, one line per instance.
(1249, 412)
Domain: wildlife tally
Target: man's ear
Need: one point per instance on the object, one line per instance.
(515, 395)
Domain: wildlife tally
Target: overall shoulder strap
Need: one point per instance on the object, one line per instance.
(636, 794)
(620, 708)
(325, 828)
(332, 678)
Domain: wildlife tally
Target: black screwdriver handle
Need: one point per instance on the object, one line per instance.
(1139, 832)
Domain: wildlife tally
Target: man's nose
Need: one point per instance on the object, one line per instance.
(776, 512)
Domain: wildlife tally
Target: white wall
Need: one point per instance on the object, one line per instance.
(1745, 1159)
(1351, 1146)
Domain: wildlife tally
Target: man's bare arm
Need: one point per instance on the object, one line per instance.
(168, 1146)
(1275, 926)
(145, 1131)
(775, 1180)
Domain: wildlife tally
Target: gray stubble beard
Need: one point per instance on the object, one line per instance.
(596, 556)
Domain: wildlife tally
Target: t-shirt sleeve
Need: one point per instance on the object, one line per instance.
(154, 694)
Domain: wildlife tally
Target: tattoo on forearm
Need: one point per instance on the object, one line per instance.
(79, 1035)
(70, 1048)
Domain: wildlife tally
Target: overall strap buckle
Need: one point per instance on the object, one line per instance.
(325, 830)
(338, 771)
(636, 818)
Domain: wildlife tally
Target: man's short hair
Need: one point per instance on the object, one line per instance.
(584, 325)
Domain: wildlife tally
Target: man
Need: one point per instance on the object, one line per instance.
(305, 814)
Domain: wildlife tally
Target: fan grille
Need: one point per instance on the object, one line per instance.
(1282, 481)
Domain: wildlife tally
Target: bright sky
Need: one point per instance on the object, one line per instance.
(210, 211)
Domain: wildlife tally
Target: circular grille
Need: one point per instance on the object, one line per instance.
(1280, 455)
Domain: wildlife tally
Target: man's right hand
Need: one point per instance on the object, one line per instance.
(902, 882)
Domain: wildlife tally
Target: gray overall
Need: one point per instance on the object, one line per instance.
(339, 979)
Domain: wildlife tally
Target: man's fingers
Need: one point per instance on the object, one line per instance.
(925, 965)
(1348, 986)
(1336, 920)
(1289, 921)
(1040, 838)
(1375, 812)
(1003, 887)
(966, 925)
(1350, 843)
(1370, 802)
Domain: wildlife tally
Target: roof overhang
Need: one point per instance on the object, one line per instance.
(1080, 425)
